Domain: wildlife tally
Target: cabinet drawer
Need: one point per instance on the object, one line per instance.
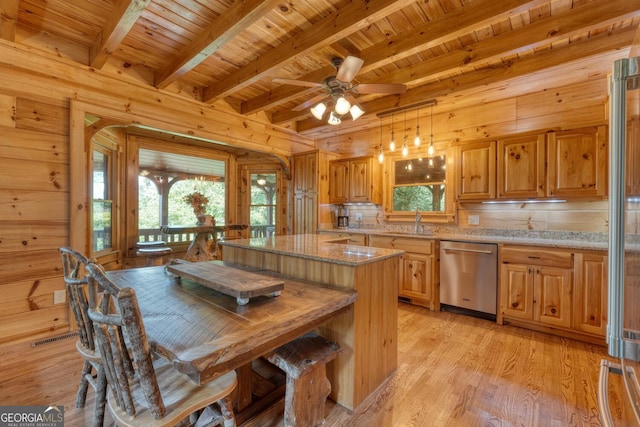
(347, 238)
(537, 256)
(417, 246)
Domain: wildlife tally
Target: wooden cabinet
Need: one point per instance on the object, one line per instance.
(521, 167)
(338, 181)
(419, 278)
(476, 171)
(567, 164)
(563, 291)
(357, 180)
(577, 162)
(310, 189)
(346, 238)
(590, 293)
(305, 210)
(536, 285)
(305, 169)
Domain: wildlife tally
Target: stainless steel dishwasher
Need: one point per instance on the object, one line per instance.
(469, 277)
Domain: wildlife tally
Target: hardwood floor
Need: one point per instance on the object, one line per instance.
(454, 370)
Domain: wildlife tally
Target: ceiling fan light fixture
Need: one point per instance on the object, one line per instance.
(356, 112)
(334, 119)
(318, 110)
(342, 106)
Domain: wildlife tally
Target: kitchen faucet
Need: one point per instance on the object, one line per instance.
(418, 216)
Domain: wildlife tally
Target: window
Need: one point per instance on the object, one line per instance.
(102, 201)
(420, 183)
(262, 207)
(164, 179)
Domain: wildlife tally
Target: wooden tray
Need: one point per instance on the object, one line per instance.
(229, 280)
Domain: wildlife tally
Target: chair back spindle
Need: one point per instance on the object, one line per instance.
(118, 316)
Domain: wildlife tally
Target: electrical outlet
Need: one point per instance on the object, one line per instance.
(59, 297)
(474, 219)
(358, 216)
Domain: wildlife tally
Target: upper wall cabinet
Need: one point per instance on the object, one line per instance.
(305, 172)
(577, 162)
(575, 166)
(476, 171)
(356, 180)
(521, 170)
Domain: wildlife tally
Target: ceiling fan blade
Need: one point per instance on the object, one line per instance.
(349, 69)
(389, 88)
(296, 82)
(309, 103)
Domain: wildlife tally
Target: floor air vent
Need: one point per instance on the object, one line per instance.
(54, 339)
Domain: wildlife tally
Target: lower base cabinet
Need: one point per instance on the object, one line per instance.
(557, 291)
(418, 282)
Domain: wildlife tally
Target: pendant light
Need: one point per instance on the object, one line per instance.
(416, 140)
(380, 152)
(405, 149)
(431, 150)
(392, 144)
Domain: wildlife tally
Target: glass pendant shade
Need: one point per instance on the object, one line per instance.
(318, 110)
(380, 155)
(405, 149)
(342, 106)
(356, 112)
(416, 141)
(334, 119)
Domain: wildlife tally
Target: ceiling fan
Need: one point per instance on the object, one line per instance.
(339, 90)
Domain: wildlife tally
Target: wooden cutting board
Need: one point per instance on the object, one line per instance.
(235, 282)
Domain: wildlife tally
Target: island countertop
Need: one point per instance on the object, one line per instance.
(315, 247)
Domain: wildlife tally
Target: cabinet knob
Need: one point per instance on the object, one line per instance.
(553, 310)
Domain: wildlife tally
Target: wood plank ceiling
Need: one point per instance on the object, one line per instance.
(230, 51)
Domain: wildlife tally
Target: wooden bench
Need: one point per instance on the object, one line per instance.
(153, 252)
(304, 361)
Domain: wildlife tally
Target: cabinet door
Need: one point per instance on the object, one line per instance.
(577, 162)
(590, 293)
(338, 181)
(416, 279)
(476, 171)
(305, 171)
(552, 296)
(305, 213)
(521, 169)
(516, 297)
(360, 180)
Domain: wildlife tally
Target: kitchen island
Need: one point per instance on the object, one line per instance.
(368, 331)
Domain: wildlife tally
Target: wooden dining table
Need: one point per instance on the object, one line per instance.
(205, 333)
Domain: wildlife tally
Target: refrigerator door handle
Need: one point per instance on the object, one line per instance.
(603, 390)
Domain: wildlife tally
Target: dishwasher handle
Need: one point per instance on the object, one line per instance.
(475, 251)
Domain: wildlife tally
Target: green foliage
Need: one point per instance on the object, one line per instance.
(180, 212)
(421, 197)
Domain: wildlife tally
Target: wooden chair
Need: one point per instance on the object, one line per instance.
(75, 277)
(144, 392)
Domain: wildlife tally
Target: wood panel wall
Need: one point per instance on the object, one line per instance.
(35, 137)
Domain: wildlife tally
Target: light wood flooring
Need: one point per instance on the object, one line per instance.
(453, 370)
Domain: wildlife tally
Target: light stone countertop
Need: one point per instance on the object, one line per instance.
(315, 247)
(550, 239)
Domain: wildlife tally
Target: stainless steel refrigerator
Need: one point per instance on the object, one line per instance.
(623, 328)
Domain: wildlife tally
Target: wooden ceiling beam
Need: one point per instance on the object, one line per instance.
(457, 23)
(351, 18)
(223, 29)
(8, 19)
(543, 32)
(518, 67)
(115, 29)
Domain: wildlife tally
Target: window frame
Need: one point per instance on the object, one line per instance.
(445, 216)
